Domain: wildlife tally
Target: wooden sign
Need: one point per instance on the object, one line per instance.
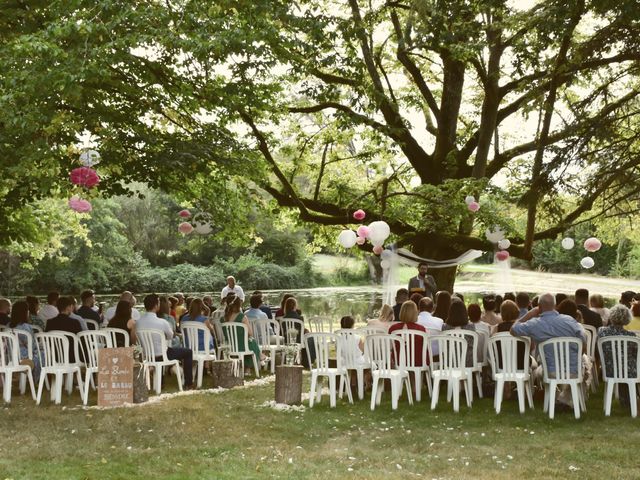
(115, 376)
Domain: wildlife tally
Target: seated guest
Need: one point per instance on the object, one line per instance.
(87, 310)
(458, 319)
(626, 298)
(164, 312)
(402, 295)
(409, 321)
(5, 310)
(510, 296)
(522, 300)
(264, 306)
(180, 307)
(634, 324)
(77, 317)
(49, 310)
(21, 320)
(459, 296)
(569, 307)
(510, 312)
(208, 302)
(34, 308)
(233, 314)
(490, 316)
(280, 311)
(430, 322)
(173, 303)
(64, 322)
(561, 297)
(198, 313)
(416, 297)
(187, 304)
(384, 320)
(499, 301)
(355, 345)
(123, 319)
(596, 303)
(127, 297)
(443, 302)
(150, 320)
(534, 301)
(475, 313)
(619, 317)
(589, 317)
(255, 312)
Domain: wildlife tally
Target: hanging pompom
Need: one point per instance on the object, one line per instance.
(363, 231)
(347, 238)
(84, 176)
(185, 228)
(496, 235)
(378, 249)
(378, 232)
(568, 243)
(504, 244)
(385, 264)
(361, 240)
(89, 158)
(469, 199)
(79, 205)
(473, 207)
(592, 244)
(502, 255)
(359, 215)
(587, 262)
(184, 213)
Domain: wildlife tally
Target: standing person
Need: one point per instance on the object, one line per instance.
(50, 310)
(123, 319)
(21, 320)
(589, 317)
(34, 308)
(402, 295)
(86, 310)
(423, 283)
(64, 322)
(126, 296)
(150, 320)
(5, 310)
(231, 286)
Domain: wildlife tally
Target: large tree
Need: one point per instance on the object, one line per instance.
(400, 108)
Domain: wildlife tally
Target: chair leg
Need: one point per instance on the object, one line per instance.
(157, 379)
(43, 376)
(408, 385)
(427, 374)
(256, 365)
(332, 391)
(546, 398)
(456, 395)
(633, 400)
(360, 377)
(31, 384)
(529, 394)
(396, 386)
(179, 376)
(552, 399)
(418, 378)
(575, 397)
(347, 382)
(22, 382)
(85, 391)
(59, 381)
(8, 382)
(479, 382)
(466, 394)
(312, 391)
(436, 392)
(520, 388)
(374, 393)
(497, 400)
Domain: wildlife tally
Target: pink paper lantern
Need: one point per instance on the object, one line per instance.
(185, 228)
(361, 240)
(378, 249)
(79, 205)
(502, 255)
(473, 207)
(592, 244)
(184, 213)
(359, 214)
(363, 231)
(84, 176)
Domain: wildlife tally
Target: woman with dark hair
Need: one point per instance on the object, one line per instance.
(34, 308)
(291, 311)
(198, 313)
(569, 307)
(499, 301)
(280, 311)
(443, 302)
(233, 314)
(415, 298)
(21, 320)
(458, 319)
(491, 316)
(123, 320)
(634, 324)
(164, 312)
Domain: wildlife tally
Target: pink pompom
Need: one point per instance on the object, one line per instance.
(359, 214)
(502, 255)
(363, 231)
(79, 205)
(184, 213)
(592, 244)
(185, 228)
(361, 240)
(473, 206)
(84, 176)
(378, 249)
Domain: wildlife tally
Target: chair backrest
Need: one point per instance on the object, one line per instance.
(262, 332)
(503, 353)
(91, 341)
(414, 340)
(380, 349)
(113, 334)
(36, 329)
(217, 331)
(191, 334)
(8, 349)
(558, 355)
(236, 335)
(23, 337)
(74, 345)
(592, 337)
(483, 347)
(320, 324)
(453, 352)
(349, 339)
(54, 349)
(366, 331)
(620, 357)
(92, 324)
(292, 330)
(323, 343)
(148, 339)
(467, 334)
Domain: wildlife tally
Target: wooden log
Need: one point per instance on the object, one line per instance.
(223, 376)
(289, 384)
(140, 391)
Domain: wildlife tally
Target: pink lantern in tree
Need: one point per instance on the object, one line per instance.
(184, 213)
(361, 240)
(502, 255)
(84, 176)
(79, 205)
(363, 231)
(378, 249)
(359, 214)
(185, 228)
(473, 207)
(592, 244)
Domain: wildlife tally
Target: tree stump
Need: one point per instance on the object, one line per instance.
(289, 384)
(140, 391)
(223, 376)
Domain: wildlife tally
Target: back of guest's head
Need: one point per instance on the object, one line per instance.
(458, 295)
(416, 297)
(127, 296)
(443, 302)
(123, 311)
(187, 302)
(582, 296)
(546, 302)
(285, 297)
(475, 312)
(86, 295)
(522, 300)
(408, 312)
(386, 313)
(5, 305)
(196, 308)
(165, 306)
(596, 301)
(635, 308)
(499, 301)
(64, 302)
(619, 316)
(173, 301)
(534, 301)
(347, 322)
(233, 307)
(52, 298)
(290, 305)
(151, 301)
(426, 304)
(627, 297)
(568, 307)
(457, 316)
(402, 295)
(207, 299)
(489, 303)
(510, 296)
(231, 297)
(19, 313)
(255, 301)
(34, 304)
(560, 297)
(509, 311)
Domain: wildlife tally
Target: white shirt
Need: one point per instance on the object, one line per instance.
(111, 312)
(149, 320)
(48, 312)
(430, 322)
(237, 289)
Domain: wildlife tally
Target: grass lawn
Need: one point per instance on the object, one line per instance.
(230, 435)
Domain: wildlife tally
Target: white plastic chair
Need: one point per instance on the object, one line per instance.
(191, 332)
(262, 334)
(592, 337)
(113, 333)
(10, 364)
(380, 350)
(560, 349)
(323, 343)
(292, 330)
(366, 331)
(410, 345)
(28, 339)
(36, 329)
(146, 338)
(478, 360)
(221, 342)
(91, 341)
(352, 357)
(54, 360)
(622, 358)
(320, 324)
(74, 346)
(503, 356)
(92, 323)
(234, 332)
(451, 368)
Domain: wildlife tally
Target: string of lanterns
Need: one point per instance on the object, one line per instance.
(86, 178)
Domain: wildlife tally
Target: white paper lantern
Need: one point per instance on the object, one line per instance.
(385, 264)
(89, 158)
(204, 228)
(347, 238)
(504, 244)
(592, 244)
(568, 243)
(469, 199)
(587, 262)
(495, 235)
(378, 232)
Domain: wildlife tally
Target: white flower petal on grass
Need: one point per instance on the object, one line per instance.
(398, 466)
(573, 469)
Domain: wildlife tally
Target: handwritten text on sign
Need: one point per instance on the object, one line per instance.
(115, 376)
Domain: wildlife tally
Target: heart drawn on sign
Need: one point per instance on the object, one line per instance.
(114, 360)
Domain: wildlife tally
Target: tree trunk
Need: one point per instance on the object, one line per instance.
(445, 277)
(289, 384)
(223, 376)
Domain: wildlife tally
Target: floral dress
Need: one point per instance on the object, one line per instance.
(608, 353)
(24, 349)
